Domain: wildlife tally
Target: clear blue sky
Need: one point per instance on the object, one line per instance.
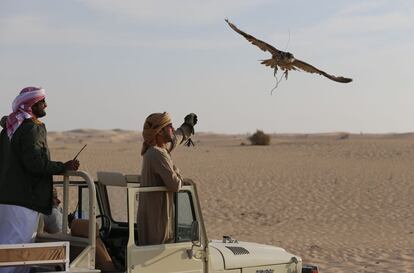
(108, 64)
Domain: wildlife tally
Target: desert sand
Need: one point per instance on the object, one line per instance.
(343, 202)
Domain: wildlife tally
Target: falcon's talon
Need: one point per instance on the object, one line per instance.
(189, 142)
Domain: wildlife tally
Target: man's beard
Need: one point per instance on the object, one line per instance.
(167, 136)
(41, 114)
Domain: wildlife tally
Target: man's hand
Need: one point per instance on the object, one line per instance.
(191, 119)
(72, 165)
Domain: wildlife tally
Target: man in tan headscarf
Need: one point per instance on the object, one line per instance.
(155, 211)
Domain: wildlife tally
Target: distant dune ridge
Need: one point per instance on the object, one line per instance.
(85, 135)
(342, 201)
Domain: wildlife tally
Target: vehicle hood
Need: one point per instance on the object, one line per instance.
(244, 254)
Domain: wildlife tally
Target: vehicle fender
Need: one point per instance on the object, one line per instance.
(216, 260)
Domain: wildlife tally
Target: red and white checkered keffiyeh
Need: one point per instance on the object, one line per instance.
(22, 107)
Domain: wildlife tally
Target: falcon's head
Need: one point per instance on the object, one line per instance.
(288, 57)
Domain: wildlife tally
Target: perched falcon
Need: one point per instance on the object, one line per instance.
(284, 60)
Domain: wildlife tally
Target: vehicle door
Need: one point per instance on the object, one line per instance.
(182, 255)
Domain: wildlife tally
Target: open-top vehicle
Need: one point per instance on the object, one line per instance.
(103, 236)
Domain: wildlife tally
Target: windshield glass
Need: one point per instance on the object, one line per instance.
(118, 203)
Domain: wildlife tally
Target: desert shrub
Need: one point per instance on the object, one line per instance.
(259, 138)
(343, 136)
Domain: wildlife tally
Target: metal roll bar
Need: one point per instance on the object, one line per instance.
(92, 209)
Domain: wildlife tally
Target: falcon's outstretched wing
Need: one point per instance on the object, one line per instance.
(260, 44)
(311, 69)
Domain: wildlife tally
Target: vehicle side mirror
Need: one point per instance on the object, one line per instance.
(194, 234)
(195, 239)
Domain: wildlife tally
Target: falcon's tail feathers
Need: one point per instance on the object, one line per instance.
(269, 62)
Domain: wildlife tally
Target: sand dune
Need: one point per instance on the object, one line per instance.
(344, 203)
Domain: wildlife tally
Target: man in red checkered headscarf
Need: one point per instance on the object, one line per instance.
(25, 170)
(22, 108)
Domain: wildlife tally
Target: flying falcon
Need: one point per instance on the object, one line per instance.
(284, 60)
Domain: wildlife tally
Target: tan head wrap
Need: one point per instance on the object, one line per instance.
(152, 126)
